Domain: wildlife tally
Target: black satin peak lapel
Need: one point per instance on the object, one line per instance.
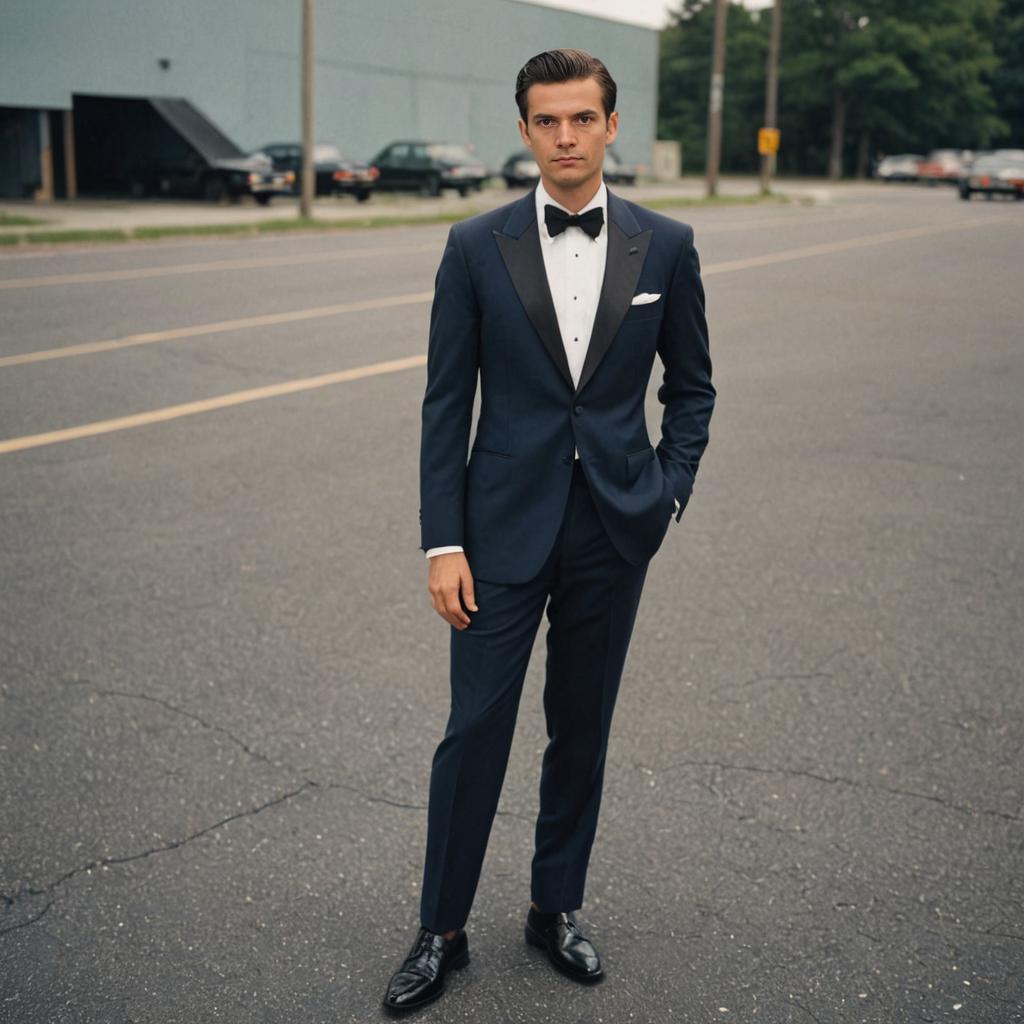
(623, 264)
(525, 264)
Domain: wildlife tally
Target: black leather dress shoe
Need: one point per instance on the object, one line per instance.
(568, 950)
(420, 979)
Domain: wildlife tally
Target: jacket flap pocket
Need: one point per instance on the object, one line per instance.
(635, 462)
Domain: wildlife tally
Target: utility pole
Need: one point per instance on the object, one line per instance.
(307, 170)
(771, 95)
(715, 100)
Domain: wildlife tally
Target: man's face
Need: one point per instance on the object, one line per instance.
(567, 131)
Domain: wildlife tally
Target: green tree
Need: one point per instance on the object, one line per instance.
(1008, 78)
(685, 81)
(856, 77)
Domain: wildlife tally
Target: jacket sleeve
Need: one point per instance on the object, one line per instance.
(686, 390)
(452, 367)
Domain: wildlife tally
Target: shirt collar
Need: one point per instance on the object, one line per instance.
(541, 198)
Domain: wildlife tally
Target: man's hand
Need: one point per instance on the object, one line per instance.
(450, 576)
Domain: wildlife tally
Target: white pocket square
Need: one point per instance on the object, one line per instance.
(644, 297)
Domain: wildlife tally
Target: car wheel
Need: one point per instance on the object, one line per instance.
(463, 190)
(965, 193)
(263, 199)
(213, 189)
(431, 186)
(361, 197)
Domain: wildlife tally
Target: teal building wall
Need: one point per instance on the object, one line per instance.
(385, 69)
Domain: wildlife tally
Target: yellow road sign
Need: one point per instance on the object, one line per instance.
(767, 141)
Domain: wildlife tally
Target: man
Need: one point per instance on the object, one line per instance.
(558, 302)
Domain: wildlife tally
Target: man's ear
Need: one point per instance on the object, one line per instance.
(524, 134)
(613, 128)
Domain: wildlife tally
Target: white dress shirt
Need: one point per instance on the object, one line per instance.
(574, 265)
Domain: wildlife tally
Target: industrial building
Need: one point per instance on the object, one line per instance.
(78, 80)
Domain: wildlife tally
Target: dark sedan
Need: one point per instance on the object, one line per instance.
(996, 174)
(335, 174)
(195, 176)
(429, 167)
(520, 169)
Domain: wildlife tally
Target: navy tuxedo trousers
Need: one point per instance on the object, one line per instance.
(592, 595)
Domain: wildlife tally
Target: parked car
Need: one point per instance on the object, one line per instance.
(898, 167)
(520, 169)
(335, 174)
(999, 173)
(429, 167)
(616, 172)
(941, 165)
(194, 176)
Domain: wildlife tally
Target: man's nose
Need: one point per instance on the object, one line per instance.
(566, 136)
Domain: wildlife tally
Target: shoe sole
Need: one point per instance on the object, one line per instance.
(456, 965)
(536, 939)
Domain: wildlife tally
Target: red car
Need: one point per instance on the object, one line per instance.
(941, 165)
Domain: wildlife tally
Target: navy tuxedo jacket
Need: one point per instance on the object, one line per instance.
(493, 318)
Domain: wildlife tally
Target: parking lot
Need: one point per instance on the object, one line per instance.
(222, 680)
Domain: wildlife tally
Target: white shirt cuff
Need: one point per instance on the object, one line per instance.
(443, 551)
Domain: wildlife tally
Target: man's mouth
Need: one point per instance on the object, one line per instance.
(567, 159)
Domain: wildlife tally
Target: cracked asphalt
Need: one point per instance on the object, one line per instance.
(221, 681)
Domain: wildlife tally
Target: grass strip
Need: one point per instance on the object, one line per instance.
(77, 235)
(282, 225)
(673, 202)
(14, 220)
(177, 230)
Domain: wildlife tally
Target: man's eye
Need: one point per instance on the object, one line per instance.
(586, 118)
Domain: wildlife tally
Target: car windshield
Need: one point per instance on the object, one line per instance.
(450, 154)
(325, 153)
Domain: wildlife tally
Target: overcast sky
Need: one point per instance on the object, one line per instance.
(652, 13)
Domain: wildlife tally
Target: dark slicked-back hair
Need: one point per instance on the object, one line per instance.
(554, 66)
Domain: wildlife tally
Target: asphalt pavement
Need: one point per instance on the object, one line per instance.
(221, 680)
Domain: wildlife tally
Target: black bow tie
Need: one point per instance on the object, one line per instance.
(558, 220)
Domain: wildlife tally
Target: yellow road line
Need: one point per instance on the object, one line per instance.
(252, 263)
(173, 412)
(393, 366)
(199, 330)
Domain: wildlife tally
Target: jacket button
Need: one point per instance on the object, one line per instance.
(578, 409)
